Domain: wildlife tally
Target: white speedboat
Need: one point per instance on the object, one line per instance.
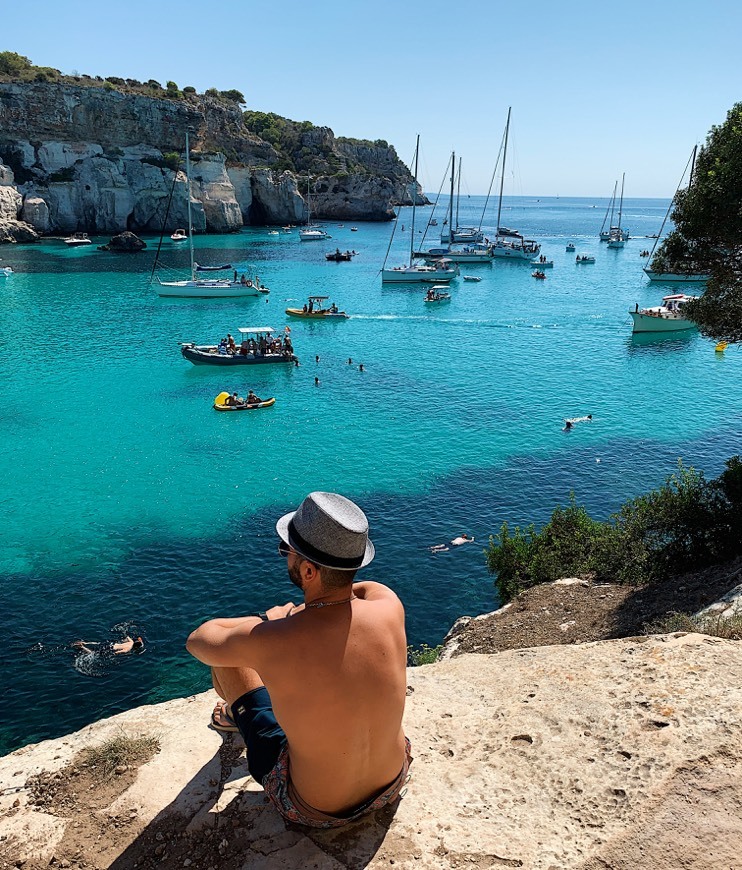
(471, 277)
(5, 271)
(77, 240)
(668, 317)
(313, 234)
(437, 293)
(179, 236)
(543, 263)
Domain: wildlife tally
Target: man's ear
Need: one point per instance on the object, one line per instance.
(309, 570)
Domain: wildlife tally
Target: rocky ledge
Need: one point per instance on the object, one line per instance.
(614, 755)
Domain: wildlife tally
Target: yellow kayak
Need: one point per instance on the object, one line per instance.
(220, 400)
(321, 314)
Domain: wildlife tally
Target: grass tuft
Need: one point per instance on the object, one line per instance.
(121, 751)
(715, 626)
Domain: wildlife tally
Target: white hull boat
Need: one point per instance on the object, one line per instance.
(667, 317)
(419, 275)
(207, 288)
(675, 277)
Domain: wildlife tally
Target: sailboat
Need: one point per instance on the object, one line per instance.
(618, 236)
(510, 243)
(676, 276)
(312, 232)
(472, 252)
(196, 286)
(605, 234)
(455, 232)
(440, 272)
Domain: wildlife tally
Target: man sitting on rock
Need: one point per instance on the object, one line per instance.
(317, 690)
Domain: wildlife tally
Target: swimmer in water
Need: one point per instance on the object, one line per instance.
(124, 646)
(463, 538)
(588, 418)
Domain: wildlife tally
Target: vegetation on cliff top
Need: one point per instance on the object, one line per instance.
(708, 231)
(686, 523)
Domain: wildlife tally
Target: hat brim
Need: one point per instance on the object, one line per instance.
(282, 528)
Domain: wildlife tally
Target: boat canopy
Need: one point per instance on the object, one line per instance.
(319, 298)
(245, 330)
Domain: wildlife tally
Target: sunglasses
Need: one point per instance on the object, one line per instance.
(284, 550)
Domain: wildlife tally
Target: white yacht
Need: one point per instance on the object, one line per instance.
(668, 317)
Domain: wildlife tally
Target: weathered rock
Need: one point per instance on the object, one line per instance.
(124, 243)
(11, 228)
(615, 755)
(35, 212)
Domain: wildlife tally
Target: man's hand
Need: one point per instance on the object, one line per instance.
(281, 611)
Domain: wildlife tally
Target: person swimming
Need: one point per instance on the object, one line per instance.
(463, 538)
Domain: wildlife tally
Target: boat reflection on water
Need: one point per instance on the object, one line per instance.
(661, 342)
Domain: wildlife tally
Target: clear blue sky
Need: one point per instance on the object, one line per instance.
(596, 88)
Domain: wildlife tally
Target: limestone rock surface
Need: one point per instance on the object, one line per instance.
(99, 160)
(616, 755)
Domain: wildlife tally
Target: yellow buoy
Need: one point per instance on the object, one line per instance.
(721, 346)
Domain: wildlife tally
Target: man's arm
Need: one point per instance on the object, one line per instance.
(226, 642)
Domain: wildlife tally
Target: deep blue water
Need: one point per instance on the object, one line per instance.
(127, 498)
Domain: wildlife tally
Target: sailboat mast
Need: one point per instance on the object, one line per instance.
(620, 205)
(502, 177)
(458, 195)
(610, 208)
(450, 202)
(188, 189)
(692, 167)
(414, 200)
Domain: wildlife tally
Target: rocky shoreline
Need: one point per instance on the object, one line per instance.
(90, 159)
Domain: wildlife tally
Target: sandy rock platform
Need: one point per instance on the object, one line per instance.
(616, 755)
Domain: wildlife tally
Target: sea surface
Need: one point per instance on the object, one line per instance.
(129, 503)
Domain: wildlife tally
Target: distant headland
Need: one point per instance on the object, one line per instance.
(103, 155)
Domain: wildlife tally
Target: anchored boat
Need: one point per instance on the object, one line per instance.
(668, 317)
(258, 346)
(313, 310)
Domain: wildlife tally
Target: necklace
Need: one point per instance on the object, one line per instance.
(329, 603)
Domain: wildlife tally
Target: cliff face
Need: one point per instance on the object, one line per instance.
(88, 158)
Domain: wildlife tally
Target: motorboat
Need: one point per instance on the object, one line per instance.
(570, 248)
(220, 404)
(538, 274)
(313, 234)
(668, 317)
(313, 310)
(273, 233)
(258, 346)
(584, 258)
(471, 278)
(5, 271)
(437, 293)
(354, 229)
(179, 236)
(543, 263)
(77, 240)
(338, 256)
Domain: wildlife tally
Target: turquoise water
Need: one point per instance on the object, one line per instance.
(126, 497)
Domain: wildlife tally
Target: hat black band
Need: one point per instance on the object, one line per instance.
(304, 548)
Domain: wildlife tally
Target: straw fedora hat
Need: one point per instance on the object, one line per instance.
(329, 530)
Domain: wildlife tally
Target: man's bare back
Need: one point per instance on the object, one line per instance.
(335, 670)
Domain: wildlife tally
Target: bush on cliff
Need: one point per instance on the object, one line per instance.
(686, 523)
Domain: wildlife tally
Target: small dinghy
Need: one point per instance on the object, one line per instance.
(220, 404)
(471, 278)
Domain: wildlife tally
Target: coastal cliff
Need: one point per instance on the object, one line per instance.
(95, 158)
(614, 755)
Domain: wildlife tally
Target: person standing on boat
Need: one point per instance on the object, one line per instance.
(317, 690)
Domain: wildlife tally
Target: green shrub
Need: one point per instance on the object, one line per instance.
(12, 64)
(189, 90)
(683, 524)
(233, 95)
(423, 655)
